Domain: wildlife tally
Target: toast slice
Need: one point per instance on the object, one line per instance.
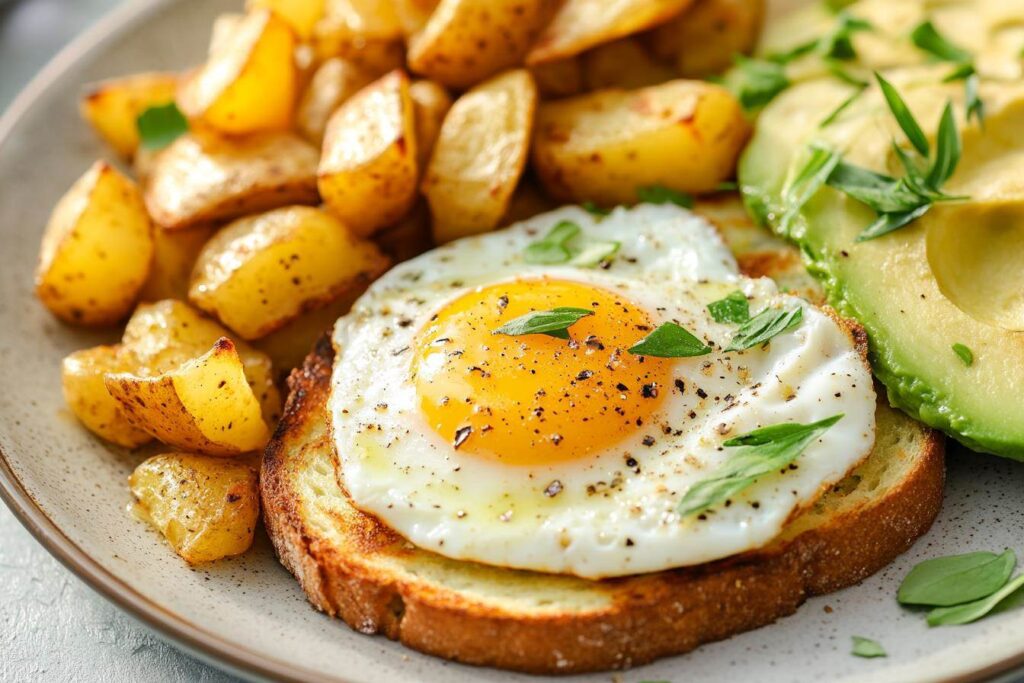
(353, 567)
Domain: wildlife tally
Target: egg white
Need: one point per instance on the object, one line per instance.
(614, 513)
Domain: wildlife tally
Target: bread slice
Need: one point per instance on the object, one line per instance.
(354, 567)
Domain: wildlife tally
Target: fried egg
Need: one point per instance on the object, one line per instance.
(572, 455)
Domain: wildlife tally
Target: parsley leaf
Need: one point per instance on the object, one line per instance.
(732, 309)
(658, 194)
(765, 451)
(865, 647)
(926, 37)
(670, 341)
(964, 354)
(554, 323)
(956, 579)
(552, 247)
(160, 126)
(764, 326)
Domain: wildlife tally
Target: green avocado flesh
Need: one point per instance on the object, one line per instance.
(955, 275)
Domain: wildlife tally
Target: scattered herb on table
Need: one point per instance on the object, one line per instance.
(972, 611)
(956, 579)
(865, 647)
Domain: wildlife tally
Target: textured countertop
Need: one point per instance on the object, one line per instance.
(52, 626)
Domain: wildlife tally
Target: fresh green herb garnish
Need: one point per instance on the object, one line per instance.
(926, 37)
(670, 341)
(764, 326)
(554, 323)
(808, 181)
(865, 647)
(658, 194)
(956, 579)
(836, 44)
(160, 126)
(594, 209)
(975, 105)
(972, 611)
(901, 112)
(732, 309)
(756, 82)
(765, 451)
(595, 253)
(964, 354)
(727, 186)
(841, 107)
(552, 247)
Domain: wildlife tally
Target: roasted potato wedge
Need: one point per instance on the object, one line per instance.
(289, 346)
(224, 26)
(113, 106)
(301, 15)
(96, 250)
(202, 179)
(479, 155)
(206, 405)
(413, 14)
(702, 40)
(82, 380)
(684, 135)
(175, 252)
(334, 82)
(431, 103)
(207, 508)
(367, 33)
(466, 41)
(249, 84)
(261, 272)
(558, 79)
(623, 64)
(368, 173)
(527, 201)
(161, 336)
(581, 24)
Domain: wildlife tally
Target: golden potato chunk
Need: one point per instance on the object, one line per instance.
(334, 81)
(466, 41)
(175, 252)
(205, 406)
(112, 107)
(559, 79)
(684, 135)
(224, 26)
(207, 508)
(82, 379)
(413, 15)
(96, 249)
(368, 173)
(260, 272)
(623, 64)
(161, 336)
(367, 33)
(582, 24)
(301, 15)
(202, 179)
(289, 346)
(249, 84)
(703, 40)
(431, 103)
(479, 155)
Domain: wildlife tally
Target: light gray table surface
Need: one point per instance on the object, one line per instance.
(52, 626)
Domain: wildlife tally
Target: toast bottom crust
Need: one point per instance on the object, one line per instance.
(361, 571)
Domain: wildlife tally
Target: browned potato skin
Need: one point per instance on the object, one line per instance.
(413, 14)
(581, 24)
(562, 78)
(201, 179)
(112, 106)
(334, 82)
(82, 380)
(430, 104)
(527, 201)
(367, 33)
(601, 147)
(703, 40)
(467, 41)
(207, 508)
(368, 169)
(260, 272)
(623, 64)
(175, 253)
(95, 253)
(409, 237)
(480, 155)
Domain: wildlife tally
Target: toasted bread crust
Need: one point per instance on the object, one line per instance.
(646, 617)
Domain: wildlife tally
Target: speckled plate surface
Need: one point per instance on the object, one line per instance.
(249, 615)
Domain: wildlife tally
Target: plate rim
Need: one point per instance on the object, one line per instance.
(208, 646)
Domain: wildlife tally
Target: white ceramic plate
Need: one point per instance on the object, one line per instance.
(249, 615)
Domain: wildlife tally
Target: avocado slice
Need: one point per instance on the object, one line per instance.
(922, 289)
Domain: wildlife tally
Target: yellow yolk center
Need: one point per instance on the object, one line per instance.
(535, 399)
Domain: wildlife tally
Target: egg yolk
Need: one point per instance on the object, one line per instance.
(535, 399)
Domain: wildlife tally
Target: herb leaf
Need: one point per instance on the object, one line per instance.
(763, 327)
(956, 579)
(972, 611)
(160, 126)
(947, 150)
(903, 116)
(964, 354)
(865, 647)
(756, 82)
(669, 340)
(926, 37)
(809, 180)
(552, 247)
(554, 323)
(841, 107)
(975, 105)
(595, 210)
(658, 194)
(734, 308)
(765, 451)
(891, 222)
(594, 253)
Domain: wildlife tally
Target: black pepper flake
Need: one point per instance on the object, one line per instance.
(594, 343)
(585, 374)
(649, 390)
(621, 387)
(399, 352)
(631, 461)
(556, 439)
(461, 434)
(681, 386)
(553, 489)
(233, 497)
(502, 302)
(648, 441)
(629, 542)
(403, 322)
(701, 393)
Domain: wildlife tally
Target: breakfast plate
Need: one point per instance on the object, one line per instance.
(248, 615)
